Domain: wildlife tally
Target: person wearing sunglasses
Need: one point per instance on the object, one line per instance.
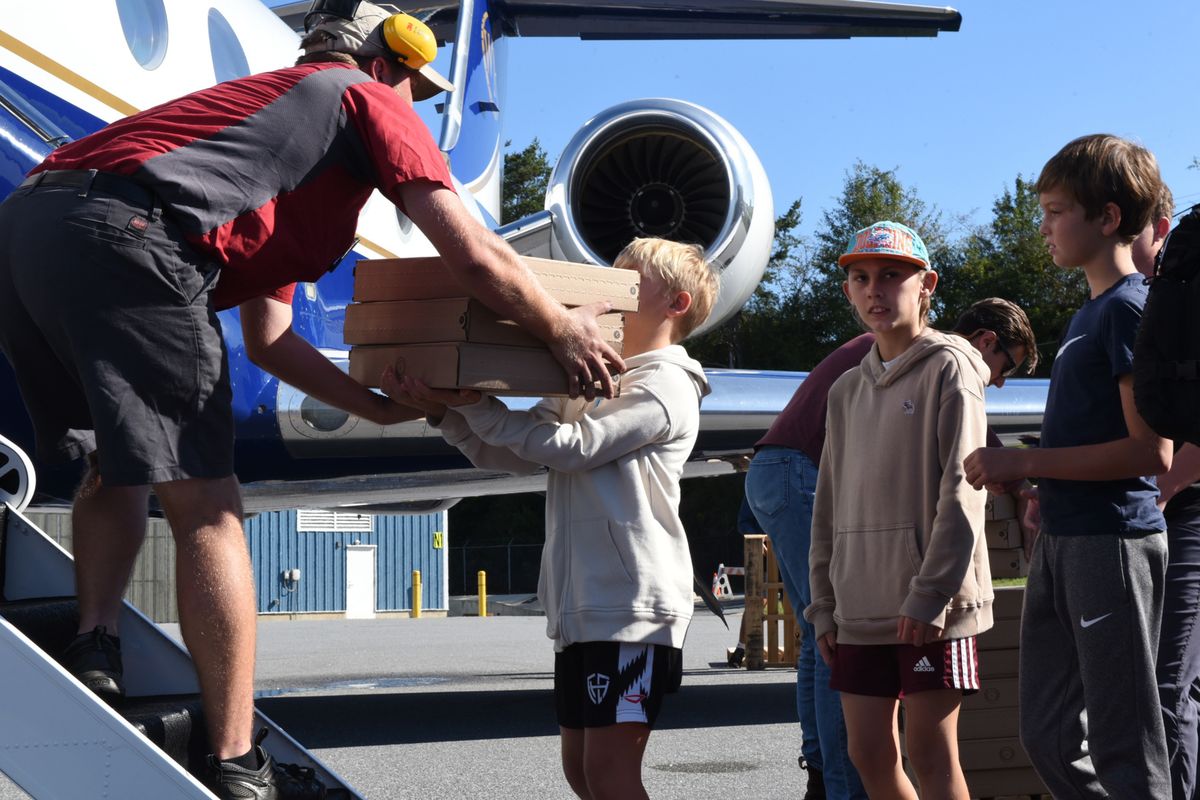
(118, 249)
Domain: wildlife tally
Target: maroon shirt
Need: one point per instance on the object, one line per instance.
(266, 174)
(801, 424)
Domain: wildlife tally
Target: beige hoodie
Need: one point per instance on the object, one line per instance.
(897, 530)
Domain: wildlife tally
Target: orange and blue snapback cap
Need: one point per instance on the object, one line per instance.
(886, 239)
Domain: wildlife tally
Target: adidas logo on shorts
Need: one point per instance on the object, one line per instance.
(923, 665)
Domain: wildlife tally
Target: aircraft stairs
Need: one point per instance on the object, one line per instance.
(60, 741)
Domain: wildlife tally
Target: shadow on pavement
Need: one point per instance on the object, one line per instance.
(357, 720)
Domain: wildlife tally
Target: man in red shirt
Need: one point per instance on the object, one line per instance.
(116, 253)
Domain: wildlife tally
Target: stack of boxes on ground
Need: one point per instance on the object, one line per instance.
(989, 746)
(410, 312)
(1006, 551)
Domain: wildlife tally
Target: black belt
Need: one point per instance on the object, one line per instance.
(90, 180)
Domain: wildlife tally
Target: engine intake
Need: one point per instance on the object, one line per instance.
(670, 169)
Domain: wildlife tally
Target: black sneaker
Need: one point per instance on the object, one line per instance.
(229, 781)
(95, 659)
(814, 788)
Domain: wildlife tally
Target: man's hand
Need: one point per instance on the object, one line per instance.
(827, 646)
(917, 633)
(994, 466)
(582, 351)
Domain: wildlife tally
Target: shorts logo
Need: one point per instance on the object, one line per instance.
(923, 665)
(597, 686)
(138, 224)
(909, 408)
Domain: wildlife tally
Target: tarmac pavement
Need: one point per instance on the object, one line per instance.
(462, 708)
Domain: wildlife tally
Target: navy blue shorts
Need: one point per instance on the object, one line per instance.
(597, 684)
(106, 319)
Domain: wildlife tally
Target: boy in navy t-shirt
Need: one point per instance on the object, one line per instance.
(1090, 717)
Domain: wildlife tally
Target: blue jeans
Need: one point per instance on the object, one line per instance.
(780, 488)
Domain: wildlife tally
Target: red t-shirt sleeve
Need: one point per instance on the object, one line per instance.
(398, 145)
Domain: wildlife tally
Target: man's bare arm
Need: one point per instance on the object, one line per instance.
(493, 273)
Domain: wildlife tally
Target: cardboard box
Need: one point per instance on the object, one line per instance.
(1020, 781)
(1000, 506)
(987, 723)
(1008, 563)
(989, 754)
(1004, 635)
(1008, 603)
(1002, 534)
(428, 279)
(522, 371)
(996, 693)
(452, 319)
(996, 664)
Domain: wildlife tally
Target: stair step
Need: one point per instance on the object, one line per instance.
(175, 723)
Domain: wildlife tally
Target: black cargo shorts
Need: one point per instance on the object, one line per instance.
(105, 315)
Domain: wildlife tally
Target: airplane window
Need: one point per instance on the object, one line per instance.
(229, 60)
(144, 23)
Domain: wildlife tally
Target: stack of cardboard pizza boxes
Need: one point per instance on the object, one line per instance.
(989, 747)
(1006, 551)
(411, 312)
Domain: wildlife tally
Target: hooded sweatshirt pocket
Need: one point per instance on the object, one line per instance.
(598, 570)
(871, 570)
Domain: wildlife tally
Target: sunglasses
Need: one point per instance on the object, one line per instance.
(1013, 366)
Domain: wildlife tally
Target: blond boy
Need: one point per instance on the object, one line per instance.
(616, 579)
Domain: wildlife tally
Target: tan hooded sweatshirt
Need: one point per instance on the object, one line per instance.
(897, 530)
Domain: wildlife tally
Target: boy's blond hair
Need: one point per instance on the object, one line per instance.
(1101, 168)
(681, 268)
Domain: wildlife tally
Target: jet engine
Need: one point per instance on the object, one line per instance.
(666, 168)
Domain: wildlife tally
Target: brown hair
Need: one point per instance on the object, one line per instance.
(1101, 168)
(1005, 319)
(682, 268)
(1165, 206)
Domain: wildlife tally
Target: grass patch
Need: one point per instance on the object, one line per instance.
(1008, 581)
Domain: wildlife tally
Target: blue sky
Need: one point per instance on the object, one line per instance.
(959, 115)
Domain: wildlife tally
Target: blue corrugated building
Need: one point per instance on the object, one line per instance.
(356, 564)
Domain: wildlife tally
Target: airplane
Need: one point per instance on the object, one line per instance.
(664, 166)
(117, 58)
(104, 60)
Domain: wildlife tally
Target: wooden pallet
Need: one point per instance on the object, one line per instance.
(772, 635)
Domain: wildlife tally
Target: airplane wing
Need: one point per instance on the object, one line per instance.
(687, 19)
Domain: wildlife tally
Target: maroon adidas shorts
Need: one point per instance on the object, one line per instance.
(895, 670)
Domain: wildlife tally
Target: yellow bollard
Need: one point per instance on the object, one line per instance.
(415, 612)
(482, 576)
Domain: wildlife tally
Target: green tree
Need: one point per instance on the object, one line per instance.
(757, 330)
(1008, 259)
(526, 176)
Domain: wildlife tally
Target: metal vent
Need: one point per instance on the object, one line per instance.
(313, 520)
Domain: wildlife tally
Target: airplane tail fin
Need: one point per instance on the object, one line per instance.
(471, 114)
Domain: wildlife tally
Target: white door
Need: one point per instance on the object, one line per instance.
(360, 581)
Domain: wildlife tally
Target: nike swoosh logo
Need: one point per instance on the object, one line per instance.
(1068, 343)
(1087, 623)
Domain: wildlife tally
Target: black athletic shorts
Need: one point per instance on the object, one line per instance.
(602, 683)
(105, 317)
